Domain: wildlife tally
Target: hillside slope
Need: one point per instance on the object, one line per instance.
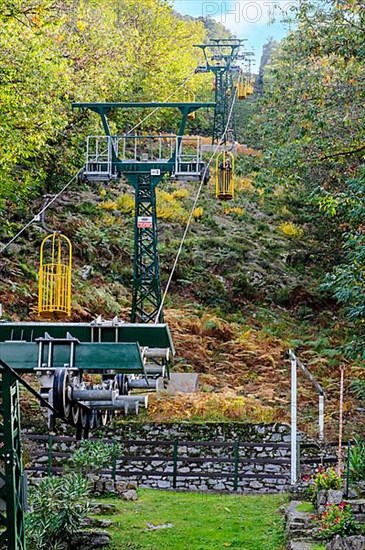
(246, 289)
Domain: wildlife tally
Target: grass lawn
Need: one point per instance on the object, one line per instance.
(199, 522)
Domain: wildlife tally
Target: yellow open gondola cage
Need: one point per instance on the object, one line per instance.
(54, 277)
(225, 176)
(241, 90)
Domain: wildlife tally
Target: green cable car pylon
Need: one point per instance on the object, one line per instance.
(220, 58)
(143, 160)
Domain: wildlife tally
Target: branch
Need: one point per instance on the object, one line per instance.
(343, 153)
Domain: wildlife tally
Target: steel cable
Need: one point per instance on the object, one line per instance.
(36, 216)
(221, 141)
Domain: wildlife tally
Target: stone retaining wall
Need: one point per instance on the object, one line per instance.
(200, 457)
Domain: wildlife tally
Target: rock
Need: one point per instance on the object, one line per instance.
(356, 542)
(122, 486)
(131, 494)
(110, 486)
(255, 485)
(334, 496)
(84, 540)
(95, 522)
(163, 484)
(219, 487)
(99, 487)
(300, 545)
(86, 272)
(152, 527)
(103, 508)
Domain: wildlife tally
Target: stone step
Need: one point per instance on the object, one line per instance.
(298, 524)
(301, 544)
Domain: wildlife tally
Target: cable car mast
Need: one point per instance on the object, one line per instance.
(221, 57)
(143, 160)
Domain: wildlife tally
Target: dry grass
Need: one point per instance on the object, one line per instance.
(209, 407)
(245, 374)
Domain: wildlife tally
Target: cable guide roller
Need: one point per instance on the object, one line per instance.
(54, 278)
(225, 176)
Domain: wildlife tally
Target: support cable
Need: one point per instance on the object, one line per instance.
(37, 216)
(220, 142)
(51, 201)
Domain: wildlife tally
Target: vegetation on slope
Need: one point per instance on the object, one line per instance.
(250, 280)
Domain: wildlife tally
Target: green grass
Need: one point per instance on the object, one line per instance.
(306, 507)
(199, 522)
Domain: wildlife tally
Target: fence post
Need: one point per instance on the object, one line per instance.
(348, 469)
(50, 449)
(321, 417)
(174, 457)
(298, 456)
(236, 459)
(293, 431)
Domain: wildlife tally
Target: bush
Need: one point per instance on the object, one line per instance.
(328, 479)
(323, 480)
(336, 520)
(58, 505)
(289, 229)
(357, 461)
(94, 455)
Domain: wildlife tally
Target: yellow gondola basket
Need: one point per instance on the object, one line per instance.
(241, 90)
(225, 176)
(54, 277)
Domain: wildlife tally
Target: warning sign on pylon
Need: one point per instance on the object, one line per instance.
(144, 222)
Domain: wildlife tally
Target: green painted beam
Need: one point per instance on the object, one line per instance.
(147, 335)
(105, 107)
(91, 357)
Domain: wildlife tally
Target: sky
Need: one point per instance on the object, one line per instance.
(255, 20)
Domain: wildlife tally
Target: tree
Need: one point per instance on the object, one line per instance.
(309, 121)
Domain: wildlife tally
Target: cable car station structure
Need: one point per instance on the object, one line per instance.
(129, 359)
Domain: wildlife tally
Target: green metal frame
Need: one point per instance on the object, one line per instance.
(29, 347)
(123, 358)
(151, 335)
(228, 50)
(146, 297)
(11, 471)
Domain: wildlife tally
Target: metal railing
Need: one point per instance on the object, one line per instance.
(295, 364)
(185, 152)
